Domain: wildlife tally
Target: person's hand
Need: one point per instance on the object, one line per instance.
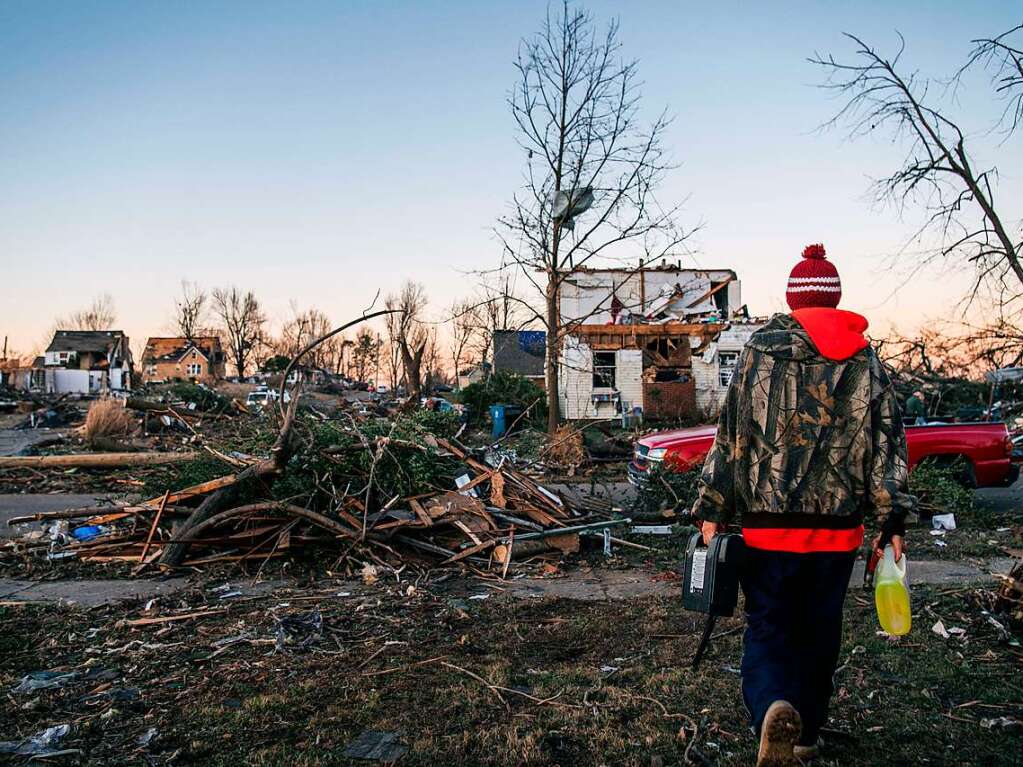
(897, 546)
(709, 530)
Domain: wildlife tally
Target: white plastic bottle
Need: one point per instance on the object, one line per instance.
(891, 594)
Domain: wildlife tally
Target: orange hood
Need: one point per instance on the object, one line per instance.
(836, 333)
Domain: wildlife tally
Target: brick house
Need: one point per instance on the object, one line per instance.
(200, 360)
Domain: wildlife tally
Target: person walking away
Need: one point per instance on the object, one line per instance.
(916, 408)
(809, 442)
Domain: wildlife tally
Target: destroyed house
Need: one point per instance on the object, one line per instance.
(521, 352)
(199, 359)
(662, 341)
(27, 375)
(87, 362)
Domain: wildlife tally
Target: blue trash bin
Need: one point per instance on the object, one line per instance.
(497, 417)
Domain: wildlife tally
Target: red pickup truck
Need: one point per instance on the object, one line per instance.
(985, 447)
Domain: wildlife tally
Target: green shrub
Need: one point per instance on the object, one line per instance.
(506, 388)
(205, 399)
(333, 455)
(668, 487)
(940, 488)
(331, 460)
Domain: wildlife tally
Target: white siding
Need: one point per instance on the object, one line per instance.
(583, 292)
(710, 394)
(67, 381)
(575, 382)
(59, 358)
(629, 377)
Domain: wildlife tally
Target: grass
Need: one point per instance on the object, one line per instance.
(614, 676)
(106, 422)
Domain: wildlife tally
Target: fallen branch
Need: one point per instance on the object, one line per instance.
(93, 460)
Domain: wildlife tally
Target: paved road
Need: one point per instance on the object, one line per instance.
(87, 593)
(20, 505)
(594, 585)
(1002, 499)
(17, 441)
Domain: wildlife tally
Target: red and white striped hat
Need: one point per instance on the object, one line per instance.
(813, 281)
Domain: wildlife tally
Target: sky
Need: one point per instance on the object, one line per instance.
(319, 152)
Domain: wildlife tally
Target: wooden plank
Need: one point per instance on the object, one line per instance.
(152, 528)
(173, 618)
(465, 529)
(470, 551)
(497, 491)
(195, 490)
(420, 512)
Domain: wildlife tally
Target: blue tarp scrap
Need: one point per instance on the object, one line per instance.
(533, 341)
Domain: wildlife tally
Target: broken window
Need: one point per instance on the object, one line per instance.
(720, 295)
(726, 366)
(603, 370)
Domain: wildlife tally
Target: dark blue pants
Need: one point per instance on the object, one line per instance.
(793, 632)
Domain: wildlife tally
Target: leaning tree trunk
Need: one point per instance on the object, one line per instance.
(174, 553)
(280, 454)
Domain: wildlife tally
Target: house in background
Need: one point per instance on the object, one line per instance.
(27, 375)
(87, 362)
(661, 340)
(200, 360)
(474, 374)
(521, 352)
(309, 375)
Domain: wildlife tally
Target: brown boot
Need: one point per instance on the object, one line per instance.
(779, 735)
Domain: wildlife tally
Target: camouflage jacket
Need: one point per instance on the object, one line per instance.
(804, 441)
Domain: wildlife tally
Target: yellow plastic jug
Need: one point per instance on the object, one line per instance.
(891, 594)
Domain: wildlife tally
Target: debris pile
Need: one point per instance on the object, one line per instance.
(389, 492)
(1009, 599)
(47, 412)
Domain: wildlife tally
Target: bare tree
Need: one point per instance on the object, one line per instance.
(407, 333)
(302, 329)
(99, 315)
(939, 174)
(592, 166)
(465, 326)
(190, 310)
(498, 308)
(1003, 59)
(242, 321)
(364, 354)
(433, 359)
(950, 360)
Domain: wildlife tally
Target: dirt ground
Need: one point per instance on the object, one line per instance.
(483, 681)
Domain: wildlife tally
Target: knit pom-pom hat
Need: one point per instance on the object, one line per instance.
(813, 281)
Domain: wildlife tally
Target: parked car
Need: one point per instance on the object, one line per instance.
(261, 396)
(985, 448)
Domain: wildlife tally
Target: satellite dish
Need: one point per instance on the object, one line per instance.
(569, 204)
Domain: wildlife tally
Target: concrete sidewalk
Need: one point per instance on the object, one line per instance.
(23, 505)
(588, 586)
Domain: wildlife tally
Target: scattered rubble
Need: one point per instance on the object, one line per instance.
(390, 492)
